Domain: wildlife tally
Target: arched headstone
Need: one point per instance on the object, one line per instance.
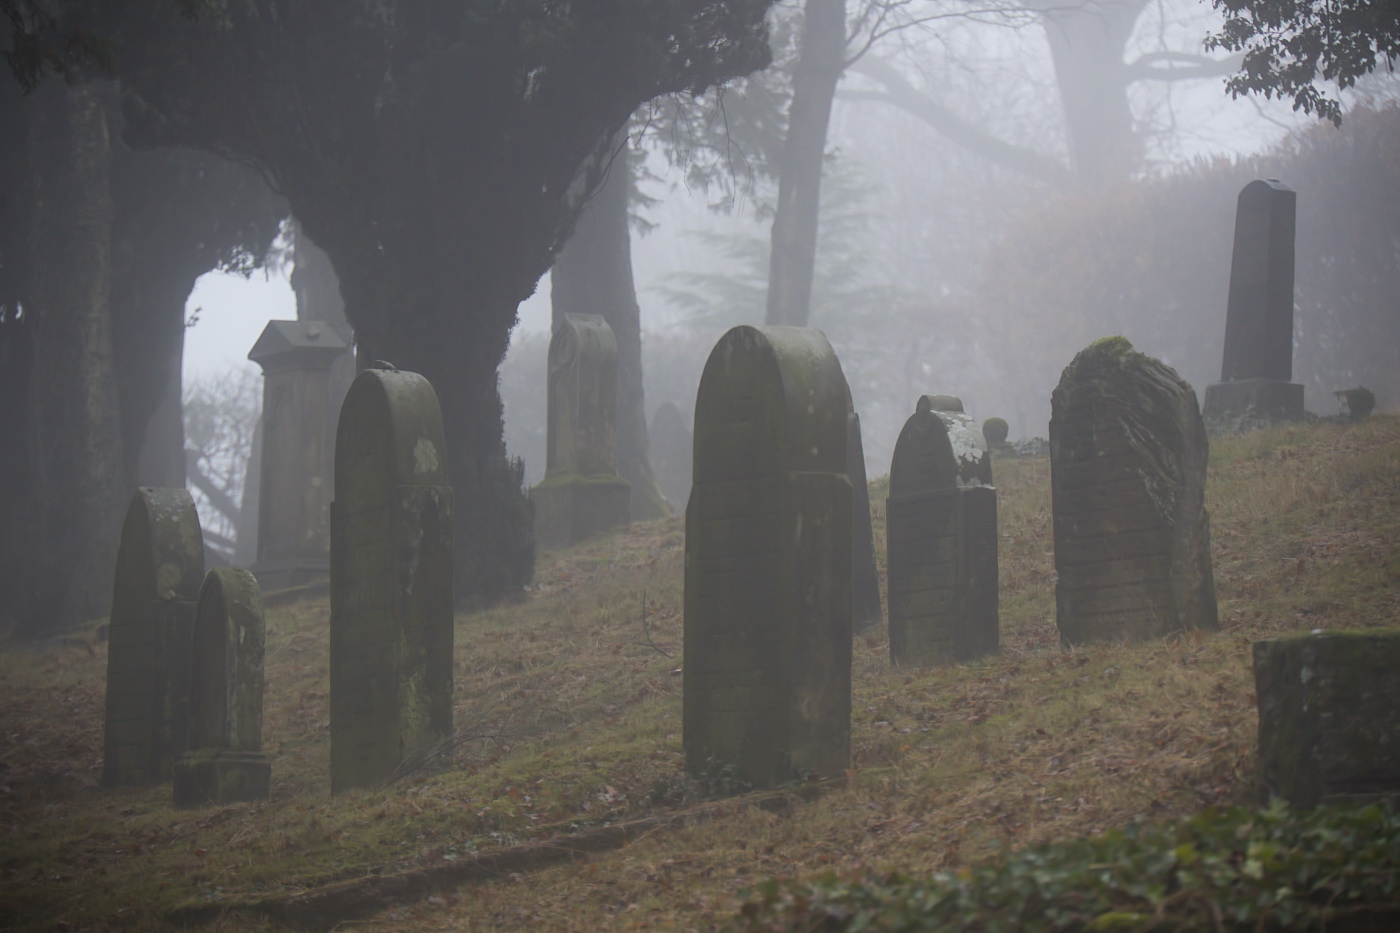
(767, 681)
(1127, 479)
(391, 578)
(581, 493)
(159, 567)
(224, 762)
(941, 533)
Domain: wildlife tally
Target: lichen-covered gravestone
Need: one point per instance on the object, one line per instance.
(941, 533)
(1328, 732)
(671, 449)
(224, 762)
(866, 610)
(1257, 370)
(767, 678)
(391, 579)
(1127, 478)
(581, 493)
(159, 567)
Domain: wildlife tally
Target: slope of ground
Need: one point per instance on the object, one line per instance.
(569, 711)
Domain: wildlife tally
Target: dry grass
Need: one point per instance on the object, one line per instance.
(950, 765)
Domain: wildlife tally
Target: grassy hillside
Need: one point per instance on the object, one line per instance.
(569, 706)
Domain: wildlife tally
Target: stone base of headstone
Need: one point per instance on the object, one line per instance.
(284, 576)
(1264, 400)
(1327, 726)
(571, 509)
(218, 776)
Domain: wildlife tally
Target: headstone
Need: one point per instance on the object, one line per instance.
(1328, 733)
(391, 579)
(1257, 372)
(671, 449)
(296, 472)
(969, 446)
(581, 494)
(941, 533)
(159, 565)
(767, 675)
(866, 611)
(1127, 477)
(224, 762)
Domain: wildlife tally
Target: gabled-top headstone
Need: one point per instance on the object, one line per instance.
(768, 561)
(671, 449)
(391, 579)
(159, 567)
(1128, 473)
(224, 762)
(941, 526)
(1257, 371)
(581, 493)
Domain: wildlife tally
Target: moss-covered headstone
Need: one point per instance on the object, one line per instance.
(768, 561)
(866, 610)
(581, 493)
(941, 533)
(1328, 730)
(391, 578)
(1127, 478)
(224, 762)
(159, 566)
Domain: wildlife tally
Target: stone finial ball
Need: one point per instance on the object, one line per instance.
(995, 430)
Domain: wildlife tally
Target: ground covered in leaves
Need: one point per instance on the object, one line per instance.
(568, 707)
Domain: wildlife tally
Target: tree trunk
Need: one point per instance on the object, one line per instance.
(593, 275)
(793, 256)
(76, 428)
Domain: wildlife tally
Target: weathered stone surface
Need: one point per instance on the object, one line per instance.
(1328, 732)
(225, 763)
(296, 468)
(391, 578)
(581, 494)
(1128, 471)
(942, 548)
(671, 451)
(1257, 368)
(767, 681)
(969, 446)
(159, 567)
(866, 611)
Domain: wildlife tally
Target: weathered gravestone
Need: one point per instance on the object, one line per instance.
(297, 448)
(866, 610)
(671, 449)
(159, 567)
(224, 762)
(1127, 479)
(391, 579)
(767, 680)
(581, 493)
(1328, 732)
(941, 534)
(1257, 371)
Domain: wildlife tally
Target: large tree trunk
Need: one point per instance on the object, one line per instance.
(793, 256)
(75, 431)
(593, 275)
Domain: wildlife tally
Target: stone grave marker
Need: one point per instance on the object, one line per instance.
(1257, 371)
(296, 454)
(159, 565)
(1327, 726)
(1127, 477)
(767, 674)
(671, 449)
(941, 533)
(866, 611)
(391, 579)
(581, 493)
(224, 762)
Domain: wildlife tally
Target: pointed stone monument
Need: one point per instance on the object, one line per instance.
(581, 493)
(225, 763)
(159, 566)
(767, 679)
(391, 579)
